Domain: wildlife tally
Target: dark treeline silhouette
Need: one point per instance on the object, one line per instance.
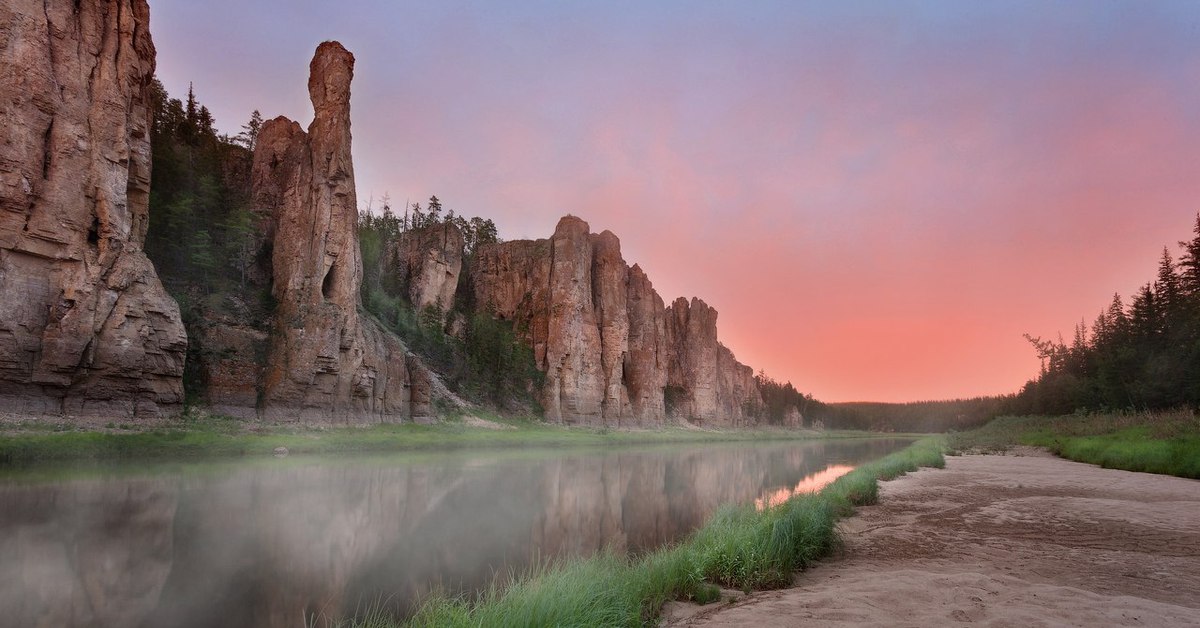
(917, 416)
(783, 404)
(786, 406)
(1144, 356)
(201, 231)
(201, 225)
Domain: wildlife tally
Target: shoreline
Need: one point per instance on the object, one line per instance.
(1009, 539)
(28, 440)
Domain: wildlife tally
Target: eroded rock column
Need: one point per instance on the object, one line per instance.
(325, 362)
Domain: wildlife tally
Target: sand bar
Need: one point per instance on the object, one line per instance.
(1011, 540)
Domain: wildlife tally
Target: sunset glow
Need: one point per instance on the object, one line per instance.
(810, 484)
(878, 198)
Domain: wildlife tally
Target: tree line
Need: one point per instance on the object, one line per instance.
(201, 225)
(1140, 356)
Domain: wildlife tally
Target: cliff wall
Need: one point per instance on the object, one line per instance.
(85, 324)
(427, 262)
(611, 352)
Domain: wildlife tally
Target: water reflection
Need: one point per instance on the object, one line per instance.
(809, 484)
(269, 542)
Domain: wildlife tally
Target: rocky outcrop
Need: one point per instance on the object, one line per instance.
(612, 354)
(646, 361)
(325, 362)
(715, 388)
(85, 324)
(427, 262)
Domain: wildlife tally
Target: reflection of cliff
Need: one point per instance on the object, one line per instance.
(88, 554)
(266, 546)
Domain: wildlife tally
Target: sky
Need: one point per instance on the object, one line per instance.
(879, 198)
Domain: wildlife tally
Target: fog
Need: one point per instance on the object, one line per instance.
(271, 542)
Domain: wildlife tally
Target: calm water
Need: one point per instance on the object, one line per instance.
(266, 542)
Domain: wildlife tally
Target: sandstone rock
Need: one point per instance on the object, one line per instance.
(512, 282)
(325, 361)
(646, 359)
(601, 335)
(85, 325)
(610, 279)
(230, 364)
(716, 387)
(691, 336)
(574, 386)
(428, 262)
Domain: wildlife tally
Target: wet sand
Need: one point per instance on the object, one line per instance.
(1013, 540)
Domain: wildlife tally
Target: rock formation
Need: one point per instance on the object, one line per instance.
(85, 324)
(325, 362)
(611, 352)
(427, 261)
(715, 386)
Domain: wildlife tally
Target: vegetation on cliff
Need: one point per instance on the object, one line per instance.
(202, 229)
(477, 355)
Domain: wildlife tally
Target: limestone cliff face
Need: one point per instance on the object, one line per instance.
(428, 262)
(324, 361)
(600, 333)
(85, 324)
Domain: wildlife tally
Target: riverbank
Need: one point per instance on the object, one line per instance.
(740, 547)
(1025, 539)
(198, 435)
(1154, 442)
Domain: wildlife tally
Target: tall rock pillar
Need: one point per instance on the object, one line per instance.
(325, 362)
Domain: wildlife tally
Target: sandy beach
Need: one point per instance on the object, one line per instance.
(999, 540)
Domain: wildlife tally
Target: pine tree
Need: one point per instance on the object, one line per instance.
(434, 209)
(1145, 314)
(1189, 263)
(248, 136)
(1168, 290)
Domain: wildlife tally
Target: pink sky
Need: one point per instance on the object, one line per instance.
(880, 199)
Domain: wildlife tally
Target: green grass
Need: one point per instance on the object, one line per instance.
(1167, 443)
(215, 437)
(740, 547)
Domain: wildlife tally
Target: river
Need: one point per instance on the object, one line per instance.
(269, 542)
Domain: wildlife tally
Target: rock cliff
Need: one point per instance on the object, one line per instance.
(427, 262)
(611, 352)
(324, 362)
(87, 327)
(85, 324)
(713, 387)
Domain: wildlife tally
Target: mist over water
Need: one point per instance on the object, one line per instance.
(269, 542)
